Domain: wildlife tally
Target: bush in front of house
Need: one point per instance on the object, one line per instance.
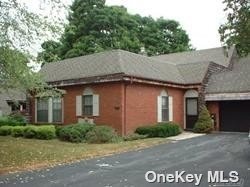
(74, 133)
(5, 130)
(17, 131)
(30, 131)
(45, 132)
(204, 123)
(134, 136)
(102, 134)
(160, 130)
(13, 120)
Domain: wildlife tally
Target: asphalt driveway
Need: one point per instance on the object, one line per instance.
(215, 152)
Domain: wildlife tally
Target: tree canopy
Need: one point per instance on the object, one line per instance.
(20, 28)
(236, 31)
(94, 27)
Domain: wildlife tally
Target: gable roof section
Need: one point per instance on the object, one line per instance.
(235, 81)
(179, 68)
(193, 72)
(111, 62)
(216, 55)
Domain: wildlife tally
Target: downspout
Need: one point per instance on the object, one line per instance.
(125, 109)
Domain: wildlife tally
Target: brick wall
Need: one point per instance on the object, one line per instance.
(213, 107)
(110, 104)
(122, 103)
(141, 105)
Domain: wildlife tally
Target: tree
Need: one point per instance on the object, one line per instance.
(20, 28)
(204, 123)
(236, 31)
(94, 27)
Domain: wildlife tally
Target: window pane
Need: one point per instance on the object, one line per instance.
(88, 110)
(165, 111)
(88, 105)
(42, 110)
(164, 102)
(165, 115)
(192, 108)
(57, 110)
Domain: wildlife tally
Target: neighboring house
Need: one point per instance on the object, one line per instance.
(12, 101)
(127, 90)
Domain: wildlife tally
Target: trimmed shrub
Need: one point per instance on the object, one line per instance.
(17, 131)
(74, 133)
(204, 123)
(134, 136)
(5, 130)
(30, 131)
(160, 130)
(18, 117)
(13, 120)
(45, 132)
(102, 134)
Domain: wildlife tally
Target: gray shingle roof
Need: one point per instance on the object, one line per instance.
(234, 81)
(193, 72)
(181, 68)
(111, 62)
(216, 55)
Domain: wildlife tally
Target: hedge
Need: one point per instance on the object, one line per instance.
(102, 134)
(17, 131)
(204, 123)
(5, 130)
(74, 133)
(160, 130)
(12, 120)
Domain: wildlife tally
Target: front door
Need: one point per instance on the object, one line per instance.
(191, 112)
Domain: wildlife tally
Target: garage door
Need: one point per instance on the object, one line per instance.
(235, 116)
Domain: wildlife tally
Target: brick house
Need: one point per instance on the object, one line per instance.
(127, 90)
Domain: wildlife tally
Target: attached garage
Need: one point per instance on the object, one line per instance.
(234, 116)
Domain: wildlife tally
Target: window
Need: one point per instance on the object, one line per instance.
(57, 109)
(49, 110)
(42, 110)
(192, 106)
(164, 108)
(87, 103)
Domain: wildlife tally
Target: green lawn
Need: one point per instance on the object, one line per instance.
(18, 154)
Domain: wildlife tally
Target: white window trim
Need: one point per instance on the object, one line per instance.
(50, 112)
(159, 106)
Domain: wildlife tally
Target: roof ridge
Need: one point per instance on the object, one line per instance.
(187, 51)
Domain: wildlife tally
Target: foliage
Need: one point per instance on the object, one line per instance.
(45, 132)
(237, 28)
(20, 29)
(74, 133)
(30, 131)
(5, 130)
(17, 131)
(134, 136)
(17, 116)
(12, 121)
(204, 123)
(102, 134)
(94, 27)
(160, 130)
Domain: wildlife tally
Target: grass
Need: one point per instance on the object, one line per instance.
(19, 154)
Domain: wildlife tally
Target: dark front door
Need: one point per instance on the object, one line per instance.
(191, 112)
(235, 116)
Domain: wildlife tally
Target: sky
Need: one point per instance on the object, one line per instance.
(200, 18)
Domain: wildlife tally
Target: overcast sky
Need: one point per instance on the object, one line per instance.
(200, 18)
